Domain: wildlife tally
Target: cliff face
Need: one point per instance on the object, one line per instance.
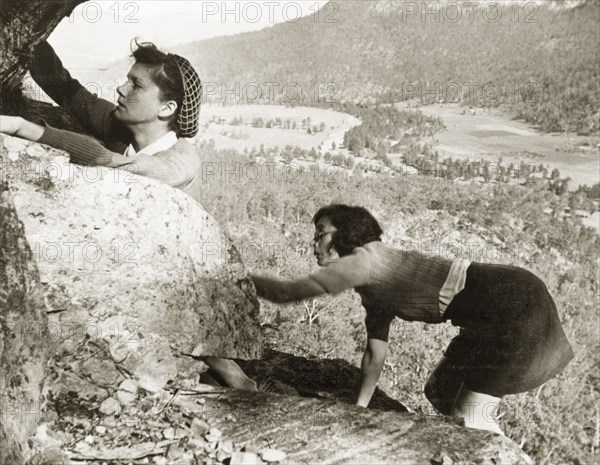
(127, 265)
(23, 323)
(23, 327)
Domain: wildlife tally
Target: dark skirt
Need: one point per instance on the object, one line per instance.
(511, 338)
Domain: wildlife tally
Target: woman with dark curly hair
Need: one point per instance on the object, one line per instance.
(511, 339)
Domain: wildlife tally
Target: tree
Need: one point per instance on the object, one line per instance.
(578, 201)
(24, 24)
(563, 186)
(288, 157)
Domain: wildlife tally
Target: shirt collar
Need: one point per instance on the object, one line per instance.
(165, 142)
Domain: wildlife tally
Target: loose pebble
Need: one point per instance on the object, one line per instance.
(213, 435)
(245, 458)
(272, 455)
(197, 443)
(110, 406)
(129, 385)
(210, 447)
(174, 452)
(442, 459)
(250, 448)
(119, 352)
(199, 427)
(222, 456)
(109, 421)
(226, 446)
(125, 398)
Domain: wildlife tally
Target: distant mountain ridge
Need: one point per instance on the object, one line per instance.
(540, 62)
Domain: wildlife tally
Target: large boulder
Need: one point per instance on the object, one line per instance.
(330, 432)
(22, 333)
(132, 264)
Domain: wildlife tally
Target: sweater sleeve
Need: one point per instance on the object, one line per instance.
(92, 112)
(174, 167)
(348, 272)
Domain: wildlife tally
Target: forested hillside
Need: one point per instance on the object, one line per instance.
(268, 217)
(538, 62)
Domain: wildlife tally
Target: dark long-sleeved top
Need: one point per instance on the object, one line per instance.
(178, 166)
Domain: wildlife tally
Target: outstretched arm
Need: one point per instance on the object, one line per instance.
(348, 272)
(281, 291)
(370, 370)
(48, 72)
(170, 166)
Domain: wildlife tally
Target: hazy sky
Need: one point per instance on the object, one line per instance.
(100, 31)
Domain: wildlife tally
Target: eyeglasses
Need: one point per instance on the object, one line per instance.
(320, 235)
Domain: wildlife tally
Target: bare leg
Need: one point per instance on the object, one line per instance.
(443, 385)
(477, 409)
(231, 373)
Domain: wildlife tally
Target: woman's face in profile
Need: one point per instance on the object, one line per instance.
(323, 250)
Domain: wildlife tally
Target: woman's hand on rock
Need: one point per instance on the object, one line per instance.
(10, 125)
(19, 127)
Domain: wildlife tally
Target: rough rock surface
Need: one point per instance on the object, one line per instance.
(198, 424)
(131, 262)
(330, 432)
(22, 333)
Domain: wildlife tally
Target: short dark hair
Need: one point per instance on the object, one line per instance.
(355, 226)
(164, 73)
